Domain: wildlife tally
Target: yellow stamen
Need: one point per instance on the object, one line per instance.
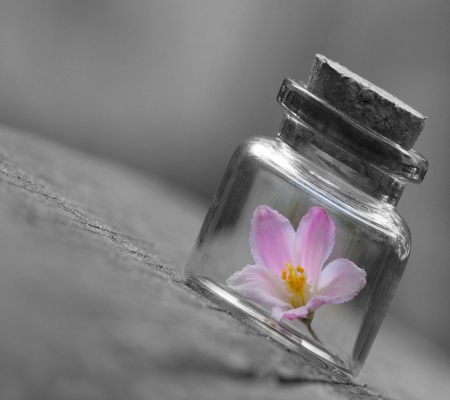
(296, 285)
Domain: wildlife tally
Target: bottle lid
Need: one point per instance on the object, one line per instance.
(366, 103)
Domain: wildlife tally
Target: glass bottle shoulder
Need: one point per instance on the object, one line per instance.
(323, 182)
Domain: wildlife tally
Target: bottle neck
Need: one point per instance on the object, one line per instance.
(337, 164)
(344, 149)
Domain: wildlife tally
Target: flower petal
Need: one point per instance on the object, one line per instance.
(300, 312)
(314, 241)
(260, 284)
(277, 313)
(340, 281)
(271, 239)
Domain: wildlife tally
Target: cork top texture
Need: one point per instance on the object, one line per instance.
(368, 104)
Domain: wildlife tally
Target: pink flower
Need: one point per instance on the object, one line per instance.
(288, 274)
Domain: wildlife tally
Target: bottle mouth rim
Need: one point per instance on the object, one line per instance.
(343, 131)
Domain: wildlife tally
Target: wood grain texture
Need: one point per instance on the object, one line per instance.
(93, 304)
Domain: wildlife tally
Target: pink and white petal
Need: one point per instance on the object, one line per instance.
(277, 313)
(300, 312)
(271, 239)
(340, 281)
(260, 284)
(314, 241)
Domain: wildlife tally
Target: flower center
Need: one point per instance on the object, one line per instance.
(296, 285)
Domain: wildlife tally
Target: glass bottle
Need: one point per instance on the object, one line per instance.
(322, 159)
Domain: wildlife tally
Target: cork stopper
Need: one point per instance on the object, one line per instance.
(368, 104)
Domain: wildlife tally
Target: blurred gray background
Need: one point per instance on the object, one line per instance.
(172, 87)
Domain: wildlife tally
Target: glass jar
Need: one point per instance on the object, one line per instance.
(325, 162)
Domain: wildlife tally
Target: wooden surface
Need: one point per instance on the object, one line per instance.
(93, 305)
